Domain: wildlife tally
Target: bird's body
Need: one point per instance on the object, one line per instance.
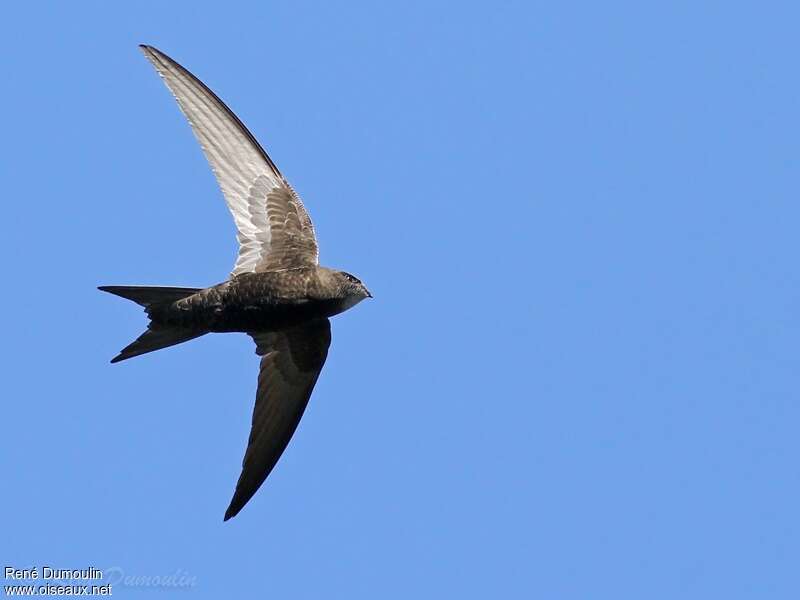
(277, 293)
(268, 301)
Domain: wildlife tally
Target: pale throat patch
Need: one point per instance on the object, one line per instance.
(350, 302)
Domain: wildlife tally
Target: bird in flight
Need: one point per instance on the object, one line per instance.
(277, 293)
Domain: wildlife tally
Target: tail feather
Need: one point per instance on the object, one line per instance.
(149, 295)
(157, 335)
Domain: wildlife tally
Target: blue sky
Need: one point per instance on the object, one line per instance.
(578, 377)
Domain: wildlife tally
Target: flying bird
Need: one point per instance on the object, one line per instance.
(277, 293)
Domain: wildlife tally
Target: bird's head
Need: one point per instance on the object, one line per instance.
(352, 288)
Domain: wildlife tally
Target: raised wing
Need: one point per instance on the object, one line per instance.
(273, 227)
(290, 364)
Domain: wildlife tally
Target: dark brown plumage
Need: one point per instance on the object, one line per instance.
(277, 293)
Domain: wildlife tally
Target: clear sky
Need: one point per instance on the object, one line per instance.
(578, 377)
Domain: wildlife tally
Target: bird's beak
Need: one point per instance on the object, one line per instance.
(368, 294)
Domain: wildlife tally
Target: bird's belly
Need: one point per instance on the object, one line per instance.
(230, 317)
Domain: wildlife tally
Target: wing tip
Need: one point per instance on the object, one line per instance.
(153, 54)
(231, 512)
(237, 503)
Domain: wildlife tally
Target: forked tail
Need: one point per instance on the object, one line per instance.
(157, 335)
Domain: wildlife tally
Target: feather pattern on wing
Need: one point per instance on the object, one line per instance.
(291, 361)
(273, 227)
